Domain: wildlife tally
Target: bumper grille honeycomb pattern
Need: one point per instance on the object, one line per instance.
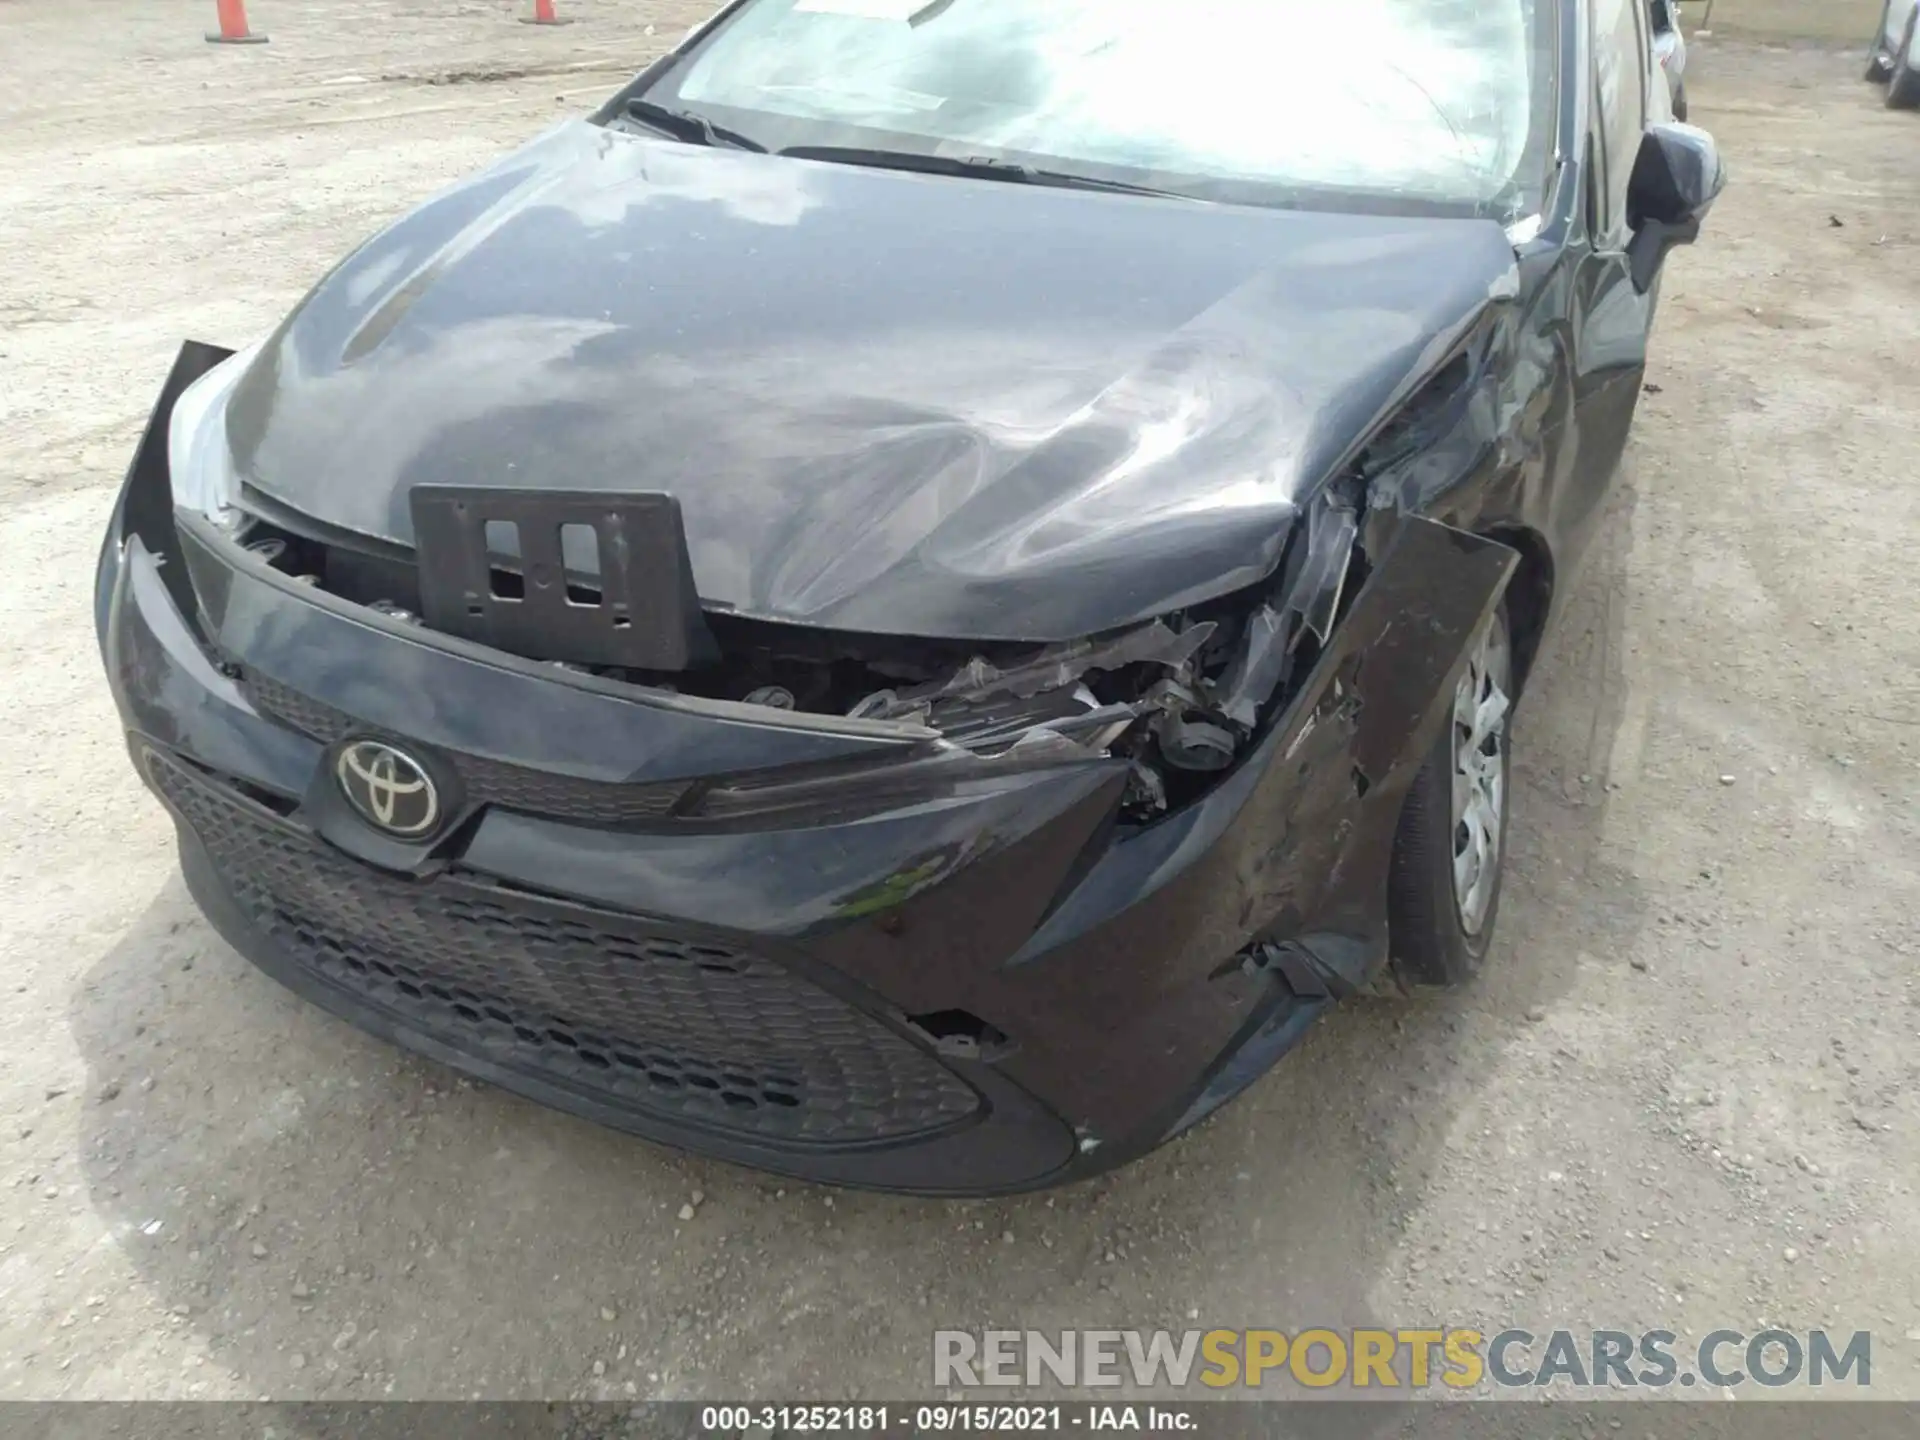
(491, 782)
(649, 1020)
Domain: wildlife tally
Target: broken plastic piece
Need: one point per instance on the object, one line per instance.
(1266, 654)
(1331, 531)
(1059, 666)
(1145, 789)
(1040, 745)
(1040, 706)
(1099, 727)
(881, 705)
(1194, 744)
(1263, 663)
(1189, 740)
(1053, 668)
(998, 722)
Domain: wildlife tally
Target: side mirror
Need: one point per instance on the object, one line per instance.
(1676, 178)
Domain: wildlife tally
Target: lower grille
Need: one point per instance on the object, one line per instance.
(489, 782)
(651, 1019)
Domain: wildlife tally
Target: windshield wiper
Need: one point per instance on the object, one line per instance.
(685, 125)
(980, 167)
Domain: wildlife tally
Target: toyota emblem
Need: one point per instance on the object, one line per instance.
(388, 788)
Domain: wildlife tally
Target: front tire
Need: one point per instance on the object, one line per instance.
(1443, 894)
(1680, 102)
(1903, 84)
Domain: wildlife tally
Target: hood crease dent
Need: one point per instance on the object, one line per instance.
(888, 403)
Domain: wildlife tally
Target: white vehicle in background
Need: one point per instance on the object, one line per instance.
(1670, 49)
(1892, 57)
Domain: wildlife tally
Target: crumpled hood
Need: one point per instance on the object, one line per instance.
(886, 402)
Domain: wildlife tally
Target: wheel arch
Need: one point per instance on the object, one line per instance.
(1529, 594)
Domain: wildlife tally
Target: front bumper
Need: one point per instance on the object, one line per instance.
(802, 997)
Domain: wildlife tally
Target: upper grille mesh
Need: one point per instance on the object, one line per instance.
(651, 1019)
(490, 782)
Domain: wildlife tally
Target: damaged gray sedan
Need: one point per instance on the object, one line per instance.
(911, 601)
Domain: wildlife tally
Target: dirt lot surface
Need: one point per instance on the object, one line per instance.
(1685, 1096)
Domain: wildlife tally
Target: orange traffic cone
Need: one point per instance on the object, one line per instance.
(543, 15)
(233, 25)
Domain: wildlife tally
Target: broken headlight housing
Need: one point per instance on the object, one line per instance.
(198, 458)
(1181, 697)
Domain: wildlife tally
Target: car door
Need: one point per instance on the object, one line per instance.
(1609, 318)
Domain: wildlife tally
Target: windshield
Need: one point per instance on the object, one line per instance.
(1418, 104)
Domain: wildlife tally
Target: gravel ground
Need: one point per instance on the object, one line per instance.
(1684, 1096)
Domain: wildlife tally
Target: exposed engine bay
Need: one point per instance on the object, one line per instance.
(1179, 697)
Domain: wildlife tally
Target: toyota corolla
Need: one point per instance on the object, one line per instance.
(909, 602)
